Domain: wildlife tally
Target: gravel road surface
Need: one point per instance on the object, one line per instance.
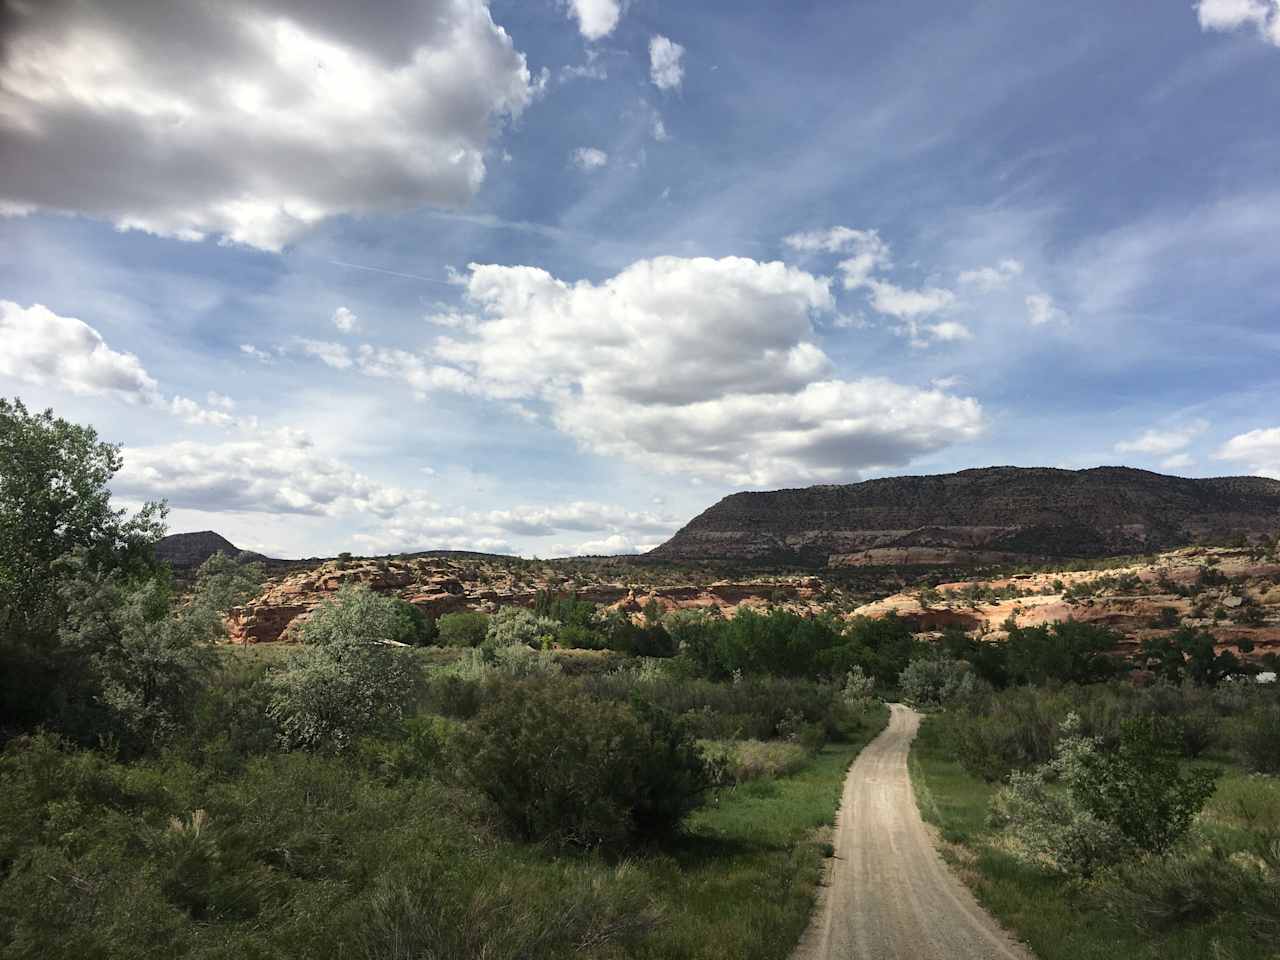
(888, 893)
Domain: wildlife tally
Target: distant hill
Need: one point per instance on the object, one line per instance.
(991, 514)
(181, 550)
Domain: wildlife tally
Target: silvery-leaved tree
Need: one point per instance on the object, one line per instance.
(347, 681)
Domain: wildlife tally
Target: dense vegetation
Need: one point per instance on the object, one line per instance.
(1108, 818)
(160, 796)
(611, 786)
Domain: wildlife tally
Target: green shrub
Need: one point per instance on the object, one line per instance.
(330, 695)
(795, 730)
(358, 615)
(740, 761)
(1258, 739)
(565, 767)
(649, 639)
(145, 660)
(422, 748)
(519, 662)
(464, 628)
(1194, 885)
(516, 625)
(451, 695)
(574, 636)
(934, 682)
(435, 914)
(231, 719)
(752, 708)
(1015, 730)
(1089, 807)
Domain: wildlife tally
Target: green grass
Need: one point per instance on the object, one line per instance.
(748, 760)
(742, 883)
(1065, 920)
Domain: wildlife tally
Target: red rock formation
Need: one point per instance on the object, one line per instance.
(437, 587)
(1138, 612)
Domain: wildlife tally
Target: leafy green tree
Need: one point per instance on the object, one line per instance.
(464, 628)
(55, 503)
(1068, 651)
(990, 661)
(145, 659)
(222, 582)
(882, 647)
(346, 682)
(511, 625)
(1191, 654)
(1140, 786)
(566, 608)
(935, 682)
(359, 615)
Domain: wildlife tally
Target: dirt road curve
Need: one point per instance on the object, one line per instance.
(888, 893)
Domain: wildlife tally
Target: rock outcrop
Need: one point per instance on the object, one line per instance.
(437, 586)
(1234, 594)
(993, 515)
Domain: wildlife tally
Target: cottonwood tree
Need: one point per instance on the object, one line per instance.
(55, 504)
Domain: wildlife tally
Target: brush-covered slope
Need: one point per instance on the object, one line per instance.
(997, 513)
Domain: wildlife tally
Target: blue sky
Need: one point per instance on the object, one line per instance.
(551, 277)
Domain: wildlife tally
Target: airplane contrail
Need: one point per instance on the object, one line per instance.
(390, 273)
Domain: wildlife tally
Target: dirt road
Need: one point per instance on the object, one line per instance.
(888, 894)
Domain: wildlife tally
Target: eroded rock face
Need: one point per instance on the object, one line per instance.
(993, 515)
(1236, 597)
(803, 596)
(437, 587)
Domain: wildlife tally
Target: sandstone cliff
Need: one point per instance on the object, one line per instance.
(993, 515)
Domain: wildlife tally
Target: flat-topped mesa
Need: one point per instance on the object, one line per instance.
(996, 514)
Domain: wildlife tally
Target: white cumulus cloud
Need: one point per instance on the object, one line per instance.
(869, 253)
(665, 67)
(1258, 449)
(278, 474)
(39, 346)
(596, 18)
(700, 366)
(615, 545)
(1227, 15)
(250, 119)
